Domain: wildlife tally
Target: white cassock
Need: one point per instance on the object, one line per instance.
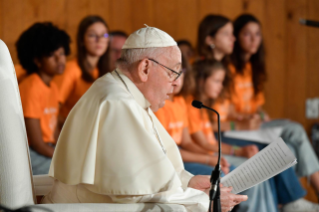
(112, 149)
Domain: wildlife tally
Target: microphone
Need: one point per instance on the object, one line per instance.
(197, 104)
(309, 22)
(214, 193)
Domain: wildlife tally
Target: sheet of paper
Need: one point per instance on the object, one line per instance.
(264, 135)
(270, 161)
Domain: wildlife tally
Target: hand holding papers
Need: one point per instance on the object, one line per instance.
(270, 161)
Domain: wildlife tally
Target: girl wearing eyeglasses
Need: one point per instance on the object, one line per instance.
(91, 62)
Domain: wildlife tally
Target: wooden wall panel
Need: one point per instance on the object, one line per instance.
(121, 15)
(257, 8)
(312, 50)
(208, 6)
(204, 8)
(187, 20)
(101, 8)
(56, 10)
(292, 49)
(142, 13)
(312, 56)
(231, 8)
(11, 25)
(33, 11)
(274, 32)
(79, 10)
(296, 61)
(1, 16)
(165, 16)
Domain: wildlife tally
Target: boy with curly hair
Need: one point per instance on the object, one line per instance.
(42, 51)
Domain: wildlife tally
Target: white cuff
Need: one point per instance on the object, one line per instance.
(185, 177)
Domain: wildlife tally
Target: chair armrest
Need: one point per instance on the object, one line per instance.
(42, 184)
(108, 207)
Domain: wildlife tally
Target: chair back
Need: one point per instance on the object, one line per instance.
(16, 185)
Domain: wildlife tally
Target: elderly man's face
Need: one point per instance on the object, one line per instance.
(161, 83)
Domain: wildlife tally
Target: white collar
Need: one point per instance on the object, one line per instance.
(131, 87)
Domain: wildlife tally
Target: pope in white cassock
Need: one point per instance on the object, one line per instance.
(112, 148)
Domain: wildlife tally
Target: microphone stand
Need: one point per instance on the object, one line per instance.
(214, 193)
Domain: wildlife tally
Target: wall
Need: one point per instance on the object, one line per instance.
(292, 49)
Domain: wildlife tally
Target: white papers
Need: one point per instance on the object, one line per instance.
(270, 161)
(264, 135)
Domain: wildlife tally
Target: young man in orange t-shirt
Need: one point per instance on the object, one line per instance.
(42, 51)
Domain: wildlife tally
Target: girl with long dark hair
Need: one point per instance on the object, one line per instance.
(209, 77)
(215, 38)
(249, 76)
(91, 62)
(217, 44)
(248, 67)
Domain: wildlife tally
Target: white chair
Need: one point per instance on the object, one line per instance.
(18, 188)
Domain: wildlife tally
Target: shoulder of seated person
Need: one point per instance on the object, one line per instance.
(72, 67)
(30, 82)
(107, 89)
(189, 98)
(30, 87)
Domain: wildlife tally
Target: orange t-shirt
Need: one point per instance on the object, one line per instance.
(222, 107)
(173, 116)
(20, 72)
(72, 86)
(40, 101)
(243, 96)
(198, 120)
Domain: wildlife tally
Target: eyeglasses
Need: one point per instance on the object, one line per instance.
(96, 37)
(174, 76)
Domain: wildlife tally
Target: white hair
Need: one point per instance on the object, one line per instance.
(130, 56)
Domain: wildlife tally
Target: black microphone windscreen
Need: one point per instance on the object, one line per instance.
(197, 104)
(309, 22)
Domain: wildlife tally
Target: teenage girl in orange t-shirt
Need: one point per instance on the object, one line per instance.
(42, 51)
(248, 71)
(174, 117)
(210, 77)
(215, 42)
(91, 63)
(249, 77)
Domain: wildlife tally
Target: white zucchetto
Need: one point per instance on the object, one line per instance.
(148, 37)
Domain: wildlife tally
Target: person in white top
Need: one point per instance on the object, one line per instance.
(112, 148)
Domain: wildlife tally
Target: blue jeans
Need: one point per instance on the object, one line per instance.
(285, 186)
(40, 164)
